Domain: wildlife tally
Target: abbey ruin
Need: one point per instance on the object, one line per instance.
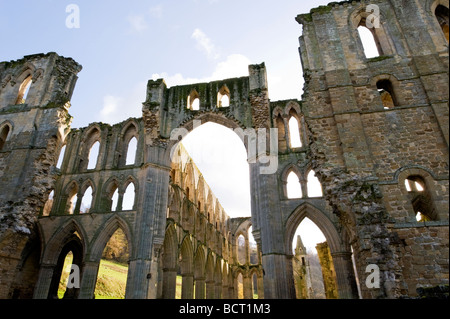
(374, 131)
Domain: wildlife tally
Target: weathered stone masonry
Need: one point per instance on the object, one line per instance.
(374, 131)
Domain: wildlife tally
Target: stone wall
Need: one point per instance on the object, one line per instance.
(364, 151)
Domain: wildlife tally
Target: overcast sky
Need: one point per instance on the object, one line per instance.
(123, 44)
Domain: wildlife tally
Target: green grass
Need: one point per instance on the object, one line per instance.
(111, 280)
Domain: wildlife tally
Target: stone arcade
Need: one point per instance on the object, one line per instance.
(373, 130)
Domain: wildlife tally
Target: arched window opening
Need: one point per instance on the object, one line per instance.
(420, 197)
(115, 200)
(240, 286)
(241, 250)
(223, 97)
(255, 286)
(222, 169)
(128, 197)
(72, 203)
(193, 102)
(311, 270)
(23, 90)
(294, 131)
(3, 135)
(293, 187)
(48, 204)
(369, 41)
(225, 101)
(68, 269)
(86, 201)
(252, 246)
(196, 104)
(313, 185)
(93, 155)
(64, 279)
(386, 91)
(442, 15)
(113, 269)
(131, 151)
(61, 157)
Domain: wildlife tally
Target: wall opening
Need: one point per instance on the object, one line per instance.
(68, 269)
(131, 151)
(3, 136)
(255, 286)
(240, 286)
(72, 199)
(61, 157)
(313, 185)
(115, 200)
(241, 250)
(442, 15)
(64, 279)
(93, 155)
(420, 198)
(23, 90)
(252, 247)
(386, 91)
(128, 197)
(306, 262)
(223, 97)
(48, 204)
(293, 187)
(295, 138)
(113, 269)
(86, 201)
(221, 157)
(369, 41)
(193, 101)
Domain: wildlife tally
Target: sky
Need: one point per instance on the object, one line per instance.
(123, 44)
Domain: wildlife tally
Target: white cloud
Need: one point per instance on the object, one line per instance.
(110, 104)
(137, 22)
(118, 108)
(156, 11)
(235, 65)
(205, 44)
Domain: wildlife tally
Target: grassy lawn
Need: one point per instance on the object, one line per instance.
(111, 280)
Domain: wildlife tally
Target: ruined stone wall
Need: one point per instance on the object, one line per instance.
(364, 151)
(38, 124)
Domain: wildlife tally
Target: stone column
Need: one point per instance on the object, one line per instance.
(151, 204)
(200, 288)
(187, 286)
(210, 284)
(44, 280)
(248, 291)
(88, 280)
(169, 283)
(225, 292)
(345, 275)
(218, 291)
(260, 288)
